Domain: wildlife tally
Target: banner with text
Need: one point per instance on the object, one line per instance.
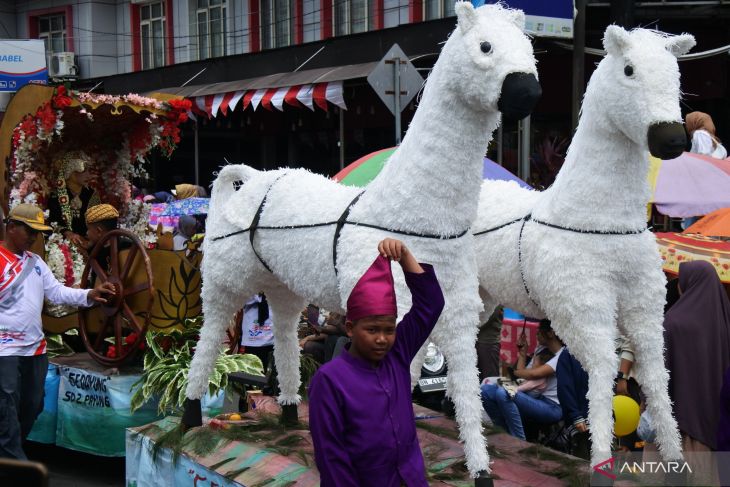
(22, 61)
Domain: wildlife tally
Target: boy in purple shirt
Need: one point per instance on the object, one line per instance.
(360, 410)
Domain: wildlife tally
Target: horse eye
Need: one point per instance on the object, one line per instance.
(629, 70)
(486, 47)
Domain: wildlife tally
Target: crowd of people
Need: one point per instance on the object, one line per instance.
(697, 356)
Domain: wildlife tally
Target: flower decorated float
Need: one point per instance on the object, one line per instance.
(66, 151)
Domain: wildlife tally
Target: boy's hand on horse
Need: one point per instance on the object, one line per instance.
(397, 251)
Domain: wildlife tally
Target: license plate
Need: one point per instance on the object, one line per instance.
(432, 384)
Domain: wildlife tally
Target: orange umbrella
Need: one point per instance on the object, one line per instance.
(715, 224)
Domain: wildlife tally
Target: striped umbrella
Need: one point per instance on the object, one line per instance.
(364, 170)
(676, 248)
(689, 185)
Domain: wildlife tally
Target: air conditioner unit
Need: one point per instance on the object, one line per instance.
(62, 65)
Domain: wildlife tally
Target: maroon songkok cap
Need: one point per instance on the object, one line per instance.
(374, 293)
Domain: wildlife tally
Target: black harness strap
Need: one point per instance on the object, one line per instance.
(410, 234)
(255, 223)
(589, 232)
(341, 223)
(527, 218)
(238, 232)
(498, 228)
(519, 258)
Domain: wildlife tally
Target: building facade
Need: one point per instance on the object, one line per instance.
(204, 48)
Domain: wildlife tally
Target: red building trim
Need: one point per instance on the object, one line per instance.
(415, 11)
(298, 22)
(68, 13)
(135, 18)
(379, 14)
(254, 26)
(136, 37)
(170, 28)
(325, 21)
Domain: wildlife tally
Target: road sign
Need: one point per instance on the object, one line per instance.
(395, 75)
(382, 79)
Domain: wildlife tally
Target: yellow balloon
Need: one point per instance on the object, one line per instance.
(626, 415)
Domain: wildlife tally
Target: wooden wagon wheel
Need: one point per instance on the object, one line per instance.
(117, 312)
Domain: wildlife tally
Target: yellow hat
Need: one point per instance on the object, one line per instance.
(185, 191)
(31, 215)
(101, 212)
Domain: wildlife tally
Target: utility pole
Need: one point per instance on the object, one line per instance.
(622, 13)
(579, 45)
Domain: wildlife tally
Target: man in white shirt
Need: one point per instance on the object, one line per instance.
(25, 280)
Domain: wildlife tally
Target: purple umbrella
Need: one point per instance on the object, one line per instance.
(690, 185)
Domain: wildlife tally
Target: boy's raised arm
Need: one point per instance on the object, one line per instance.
(427, 300)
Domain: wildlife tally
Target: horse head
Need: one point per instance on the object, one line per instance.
(492, 65)
(637, 86)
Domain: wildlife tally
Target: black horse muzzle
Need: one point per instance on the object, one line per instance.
(667, 140)
(520, 94)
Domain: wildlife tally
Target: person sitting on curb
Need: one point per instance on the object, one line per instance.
(509, 412)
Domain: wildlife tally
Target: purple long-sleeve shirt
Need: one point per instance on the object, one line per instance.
(361, 417)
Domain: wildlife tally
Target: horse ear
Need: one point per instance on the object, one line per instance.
(517, 17)
(466, 15)
(681, 44)
(615, 40)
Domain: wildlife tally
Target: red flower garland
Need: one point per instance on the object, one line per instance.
(68, 265)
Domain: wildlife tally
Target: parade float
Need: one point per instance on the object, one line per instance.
(48, 136)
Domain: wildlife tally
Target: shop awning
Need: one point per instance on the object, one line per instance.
(308, 88)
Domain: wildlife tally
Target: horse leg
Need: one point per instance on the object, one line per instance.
(220, 303)
(642, 324)
(417, 363)
(590, 336)
(286, 308)
(457, 341)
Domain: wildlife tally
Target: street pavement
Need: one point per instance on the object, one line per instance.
(69, 468)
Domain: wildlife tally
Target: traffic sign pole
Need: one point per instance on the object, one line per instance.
(396, 98)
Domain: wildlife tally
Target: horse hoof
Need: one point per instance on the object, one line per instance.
(192, 414)
(289, 415)
(483, 480)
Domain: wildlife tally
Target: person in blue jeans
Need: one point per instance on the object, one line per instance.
(507, 411)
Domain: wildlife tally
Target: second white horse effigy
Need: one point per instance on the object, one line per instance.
(579, 253)
(302, 238)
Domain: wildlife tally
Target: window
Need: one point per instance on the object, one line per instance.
(52, 29)
(152, 29)
(277, 23)
(395, 12)
(211, 22)
(353, 16)
(310, 20)
(437, 9)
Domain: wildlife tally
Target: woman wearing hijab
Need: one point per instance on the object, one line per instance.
(704, 140)
(697, 340)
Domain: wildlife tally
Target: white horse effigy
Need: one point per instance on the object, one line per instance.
(302, 238)
(579, 252)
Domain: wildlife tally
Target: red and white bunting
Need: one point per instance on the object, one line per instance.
(278, 99)
(317, 94)
(305, 96)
